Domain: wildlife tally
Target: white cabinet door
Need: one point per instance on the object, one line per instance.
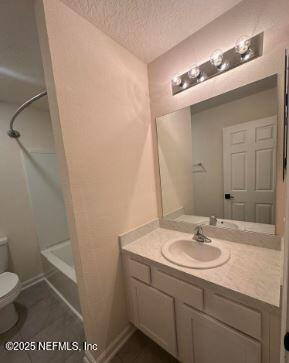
(155, 315)
(205, 340)
(249, 170)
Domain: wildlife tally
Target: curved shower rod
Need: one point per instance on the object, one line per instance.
(14, 133)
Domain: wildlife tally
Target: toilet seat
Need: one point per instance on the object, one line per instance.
(10, 287)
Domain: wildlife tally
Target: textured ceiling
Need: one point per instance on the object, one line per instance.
(21, 73)
(148, 28)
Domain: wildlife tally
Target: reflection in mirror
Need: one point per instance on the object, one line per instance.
(218, 160)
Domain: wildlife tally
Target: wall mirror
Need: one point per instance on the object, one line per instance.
(218, 160)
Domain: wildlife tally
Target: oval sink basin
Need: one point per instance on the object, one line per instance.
(221, 224)
(188, 253)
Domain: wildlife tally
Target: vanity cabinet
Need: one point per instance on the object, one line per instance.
(197, 323)
(206, 340)
(155, 315)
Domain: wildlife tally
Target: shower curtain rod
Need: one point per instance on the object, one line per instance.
(14, 133)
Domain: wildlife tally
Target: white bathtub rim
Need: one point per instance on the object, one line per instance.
(57, 246)
(59, 263)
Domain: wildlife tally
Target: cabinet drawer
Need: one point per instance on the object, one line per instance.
(241, 317)
(187, 293)
(140, 271)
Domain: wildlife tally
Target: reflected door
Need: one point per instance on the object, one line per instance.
(249, 155)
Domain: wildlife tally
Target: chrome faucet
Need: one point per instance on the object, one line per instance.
(199, 235)
(213, 221)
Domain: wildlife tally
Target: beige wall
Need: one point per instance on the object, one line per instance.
(100, 103)
(16, 217)
(249, 17)
(175, 158)
(209, 186)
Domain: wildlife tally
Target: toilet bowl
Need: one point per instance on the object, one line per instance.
(10, 287)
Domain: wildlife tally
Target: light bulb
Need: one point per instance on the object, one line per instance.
(224, 66)
(202, 77)
(242, 45)
(176, 81)
(216, 58)
(185, 85)
(194, 72)
(247, 55)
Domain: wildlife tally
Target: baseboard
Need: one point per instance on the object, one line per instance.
(33, 281)
(113, 348)
(63, 299)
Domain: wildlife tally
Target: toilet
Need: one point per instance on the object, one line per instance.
(10, 287)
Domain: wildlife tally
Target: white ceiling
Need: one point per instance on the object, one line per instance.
(21, 73)
(148, 28)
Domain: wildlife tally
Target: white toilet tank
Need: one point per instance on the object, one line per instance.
(3, 254)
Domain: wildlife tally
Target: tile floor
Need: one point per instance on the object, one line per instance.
(44, 317)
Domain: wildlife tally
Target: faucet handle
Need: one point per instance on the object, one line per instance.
(213, 221)
(199, 229)
(199, 235)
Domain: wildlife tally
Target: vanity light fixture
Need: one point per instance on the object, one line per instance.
(244, 50)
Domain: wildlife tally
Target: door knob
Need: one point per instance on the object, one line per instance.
(228, 196)
(286, 341)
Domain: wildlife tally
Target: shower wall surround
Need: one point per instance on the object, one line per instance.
(43, 182)
(23, 240)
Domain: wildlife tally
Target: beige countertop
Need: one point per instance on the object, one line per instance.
(252, 271)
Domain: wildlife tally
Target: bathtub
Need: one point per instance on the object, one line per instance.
(60, 274)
